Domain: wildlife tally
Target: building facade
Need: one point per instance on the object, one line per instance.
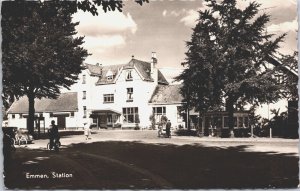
(114, 96)
(63, 110)
(120, 96)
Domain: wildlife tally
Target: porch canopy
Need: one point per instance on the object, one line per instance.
(96, 113)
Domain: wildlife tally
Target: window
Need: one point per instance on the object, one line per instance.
(129, 94)
(109, 118)
(20, 116)
(84, 95)
(109, 75)
(217, 122)
(84, 111)
(51, 114)
(83, 79)
(131, 115)
(158, 112)
(129, 75)
(109, 78)
(179, 113)
(246, 121)
(95, 120)
(280, 78)
(72, 114)
(235, 121)
(13, 116)
(226, 123)
(240, 122)
(108, 98)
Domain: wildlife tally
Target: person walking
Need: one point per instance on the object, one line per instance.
(168, 129)
(87, 130)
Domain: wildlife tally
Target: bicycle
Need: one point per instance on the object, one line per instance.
(56, 145)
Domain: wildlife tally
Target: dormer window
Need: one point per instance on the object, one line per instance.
(129, 75)
(109, 75)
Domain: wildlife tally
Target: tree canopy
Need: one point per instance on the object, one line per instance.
(288, 83)
(225, 63)
(107, 5)
(40, 53)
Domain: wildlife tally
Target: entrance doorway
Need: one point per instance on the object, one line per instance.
(61, 122)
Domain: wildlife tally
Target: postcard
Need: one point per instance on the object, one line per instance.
(150, 94)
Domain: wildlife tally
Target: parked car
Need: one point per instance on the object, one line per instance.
(19, 136)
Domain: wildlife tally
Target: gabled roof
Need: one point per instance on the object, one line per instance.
(142, 67)
(65, 102)
(114, 69)
(166, 94)
(94, 69)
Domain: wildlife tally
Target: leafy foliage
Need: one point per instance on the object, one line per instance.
(163, 120)
(288, 83)
(40, 53)
(226, 59)
(107, 5)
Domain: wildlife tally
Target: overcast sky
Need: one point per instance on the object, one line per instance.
(164, 26)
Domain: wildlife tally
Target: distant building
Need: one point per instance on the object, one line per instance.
(64, 110)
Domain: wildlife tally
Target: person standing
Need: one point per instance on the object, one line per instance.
(53, 134)
(168, 129)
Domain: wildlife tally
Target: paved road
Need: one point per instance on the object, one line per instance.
(127, 159)
(278, 145)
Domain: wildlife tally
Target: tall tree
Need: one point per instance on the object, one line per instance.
(226, 59)
(40, 53)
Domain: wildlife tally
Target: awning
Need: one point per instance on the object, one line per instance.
(61, 114)
(104, 111)
(26, 115)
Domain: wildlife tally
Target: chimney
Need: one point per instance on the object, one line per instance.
(153, 62)
(153, 70)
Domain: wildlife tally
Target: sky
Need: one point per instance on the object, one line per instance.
(164, 26)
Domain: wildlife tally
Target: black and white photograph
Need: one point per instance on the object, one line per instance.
(150, 94)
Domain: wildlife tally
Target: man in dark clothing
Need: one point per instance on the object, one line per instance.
(168, 128)
(53, 134)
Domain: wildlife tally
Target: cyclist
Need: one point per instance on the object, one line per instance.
(53, 134)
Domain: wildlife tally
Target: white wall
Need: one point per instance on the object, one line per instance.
(17, 121)
(142, 92)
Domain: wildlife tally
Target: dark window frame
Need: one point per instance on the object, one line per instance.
(130, 114)
(129, 94)
(108, 98)
(84, 95)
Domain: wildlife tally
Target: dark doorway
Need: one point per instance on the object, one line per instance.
(61, 122)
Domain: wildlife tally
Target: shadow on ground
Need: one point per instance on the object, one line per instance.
(136, 165)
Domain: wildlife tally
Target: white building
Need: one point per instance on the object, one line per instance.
(111, 96)
(63, 110)
(107, 96)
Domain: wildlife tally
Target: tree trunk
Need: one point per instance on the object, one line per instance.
(230, 110)
(31, 111)
(188, 120)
